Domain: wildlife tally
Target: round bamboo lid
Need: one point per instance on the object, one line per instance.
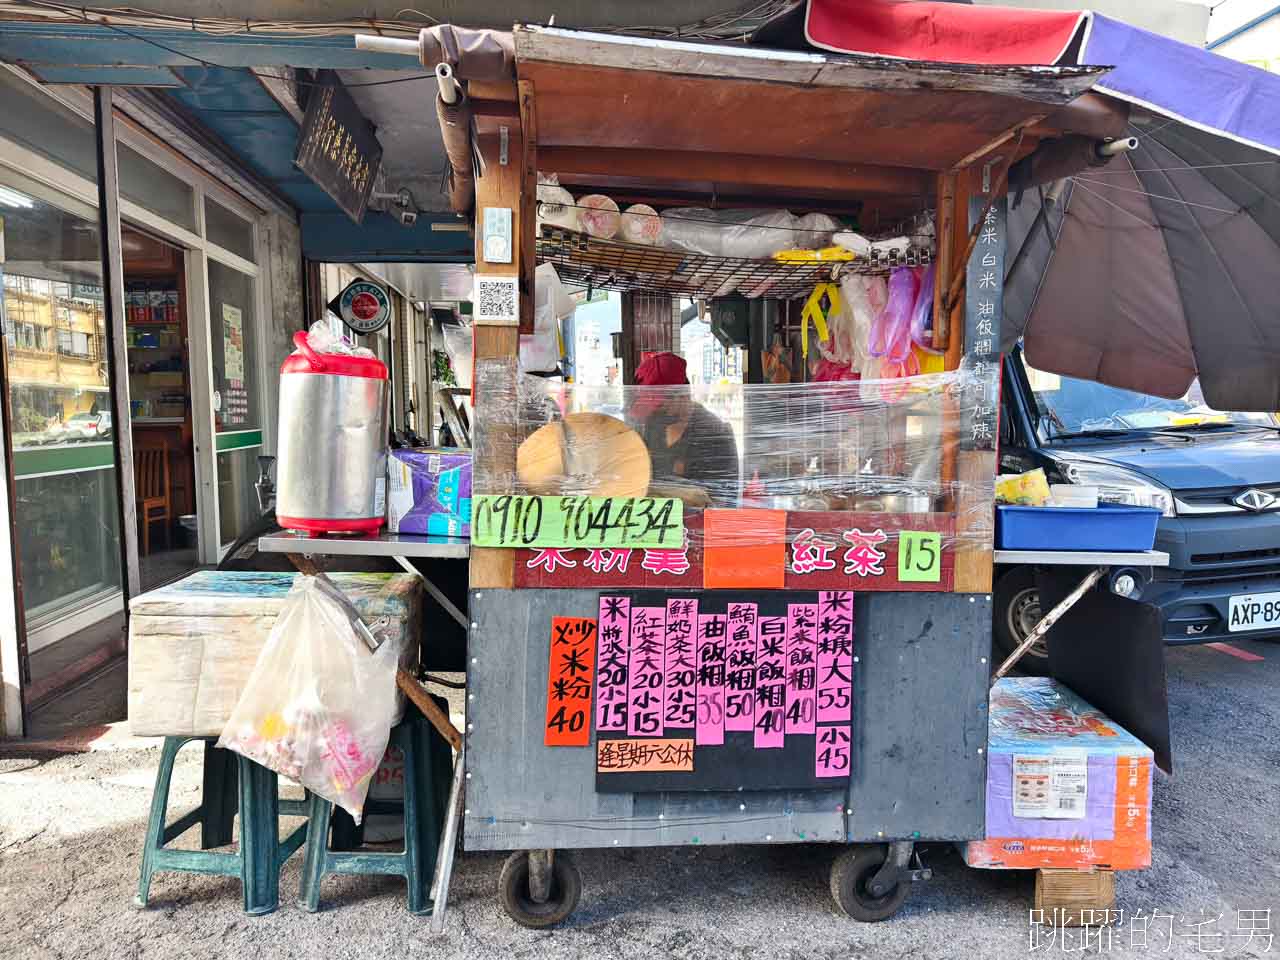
(585, 453)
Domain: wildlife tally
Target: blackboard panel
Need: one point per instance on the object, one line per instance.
(737, 764)
(337, 148)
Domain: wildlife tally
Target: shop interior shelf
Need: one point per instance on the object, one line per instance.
(613, 265)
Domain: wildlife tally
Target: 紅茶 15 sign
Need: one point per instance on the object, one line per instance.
(511, 520)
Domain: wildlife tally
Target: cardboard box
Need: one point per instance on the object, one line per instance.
(1066, 786)
(193, 644)
(429, 492)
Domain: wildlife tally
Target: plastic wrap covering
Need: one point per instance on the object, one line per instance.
(754, 234)
(1066, 786)
(193, 644)
(857, 447)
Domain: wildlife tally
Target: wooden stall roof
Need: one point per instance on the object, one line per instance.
(600, 93)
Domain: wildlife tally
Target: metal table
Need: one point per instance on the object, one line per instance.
(1098, 561)
(382, 545)
(301, 548)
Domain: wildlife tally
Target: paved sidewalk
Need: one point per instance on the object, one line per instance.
(71, 826)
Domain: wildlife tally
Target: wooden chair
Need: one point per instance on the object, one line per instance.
(151, 479)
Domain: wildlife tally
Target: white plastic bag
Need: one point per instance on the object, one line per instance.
(540, 351)
(322, 339)
(754, 234)
(319, 705)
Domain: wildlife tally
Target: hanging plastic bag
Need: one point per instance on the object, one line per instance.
(321, 700)
(540, 351)
(891, 331)
(862, 298)
(922, 311)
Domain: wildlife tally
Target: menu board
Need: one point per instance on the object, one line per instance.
(724, 690)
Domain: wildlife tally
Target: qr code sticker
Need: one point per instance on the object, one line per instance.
(496, 300)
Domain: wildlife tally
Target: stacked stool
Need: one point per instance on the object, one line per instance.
(427, 762)
(258, 859)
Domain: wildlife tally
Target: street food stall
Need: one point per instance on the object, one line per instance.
(793, 646)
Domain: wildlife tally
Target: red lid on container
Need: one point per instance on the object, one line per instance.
(307, 360)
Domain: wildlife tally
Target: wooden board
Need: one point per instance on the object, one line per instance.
(618, 92)
(1072, 898)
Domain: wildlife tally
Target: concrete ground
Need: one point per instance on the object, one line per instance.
(71, 827)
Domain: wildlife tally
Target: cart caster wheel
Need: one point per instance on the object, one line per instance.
(513, 888)
(850, 875)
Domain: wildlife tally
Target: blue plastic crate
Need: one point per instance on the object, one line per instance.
(1109, 527)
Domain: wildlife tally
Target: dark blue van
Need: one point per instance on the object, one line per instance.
(1215, 477)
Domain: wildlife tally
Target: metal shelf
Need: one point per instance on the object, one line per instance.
(1084, 558)
(383, 545)
(613, 265)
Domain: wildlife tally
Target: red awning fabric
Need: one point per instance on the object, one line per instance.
(942, 32)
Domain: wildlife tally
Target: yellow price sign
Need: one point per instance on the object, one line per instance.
(919, 556)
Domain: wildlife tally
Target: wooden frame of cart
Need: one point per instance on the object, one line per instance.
(665, 122)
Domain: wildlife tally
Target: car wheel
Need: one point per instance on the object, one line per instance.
(1016, 600)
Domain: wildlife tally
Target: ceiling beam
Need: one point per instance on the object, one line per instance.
(819, 176)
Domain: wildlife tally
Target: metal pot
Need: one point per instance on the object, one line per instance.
(894, 503)
(332, 442)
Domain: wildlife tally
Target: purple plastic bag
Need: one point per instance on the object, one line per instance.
(891, 329)
(922, 312)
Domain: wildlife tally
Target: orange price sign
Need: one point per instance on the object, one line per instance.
(571, 677)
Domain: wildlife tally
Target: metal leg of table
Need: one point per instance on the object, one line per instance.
(435, 592)
(448, 843)
(1049, 619)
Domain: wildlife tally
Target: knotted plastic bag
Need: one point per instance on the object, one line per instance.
(891, 331)
(320, 702)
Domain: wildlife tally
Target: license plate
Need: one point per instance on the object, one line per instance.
(1254, 611)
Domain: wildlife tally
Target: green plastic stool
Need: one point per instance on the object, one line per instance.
(261, 853)
(426, 757)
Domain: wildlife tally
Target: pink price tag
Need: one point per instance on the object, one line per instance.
(680, 703)
(646, 674)
(612, 663)
(740, 668)
(833, 751)
(771, 683)
(802, 667)
(712, 633)
(835, 656)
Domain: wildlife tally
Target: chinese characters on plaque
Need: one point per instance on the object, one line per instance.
(984, 310)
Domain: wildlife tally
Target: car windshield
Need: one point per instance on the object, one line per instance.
(84, 416)
(1081, 407)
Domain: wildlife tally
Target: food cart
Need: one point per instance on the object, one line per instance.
(802, 654)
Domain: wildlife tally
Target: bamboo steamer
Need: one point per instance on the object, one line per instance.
(605, 458)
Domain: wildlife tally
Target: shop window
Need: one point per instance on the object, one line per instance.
(45, 126)
(61, 455)
(152, 187)
(227, 230)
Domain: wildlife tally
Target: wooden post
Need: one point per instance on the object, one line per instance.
(944, 226)
(502, 185)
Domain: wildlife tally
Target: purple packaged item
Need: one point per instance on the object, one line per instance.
(429, 492)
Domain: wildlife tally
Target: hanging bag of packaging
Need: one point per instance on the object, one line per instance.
(320, 702)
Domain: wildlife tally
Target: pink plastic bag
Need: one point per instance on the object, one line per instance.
(891, 331)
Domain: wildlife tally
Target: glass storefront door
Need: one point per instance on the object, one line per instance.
(237, 397)
(64, 465)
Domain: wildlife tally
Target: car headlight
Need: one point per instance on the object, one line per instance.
(1118, 485)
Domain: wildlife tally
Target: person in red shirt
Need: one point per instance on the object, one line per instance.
(687, 443)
